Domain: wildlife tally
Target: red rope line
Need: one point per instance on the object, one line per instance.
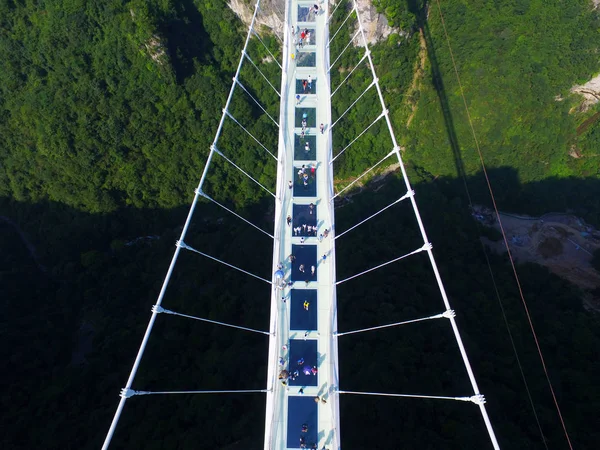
(512, 263)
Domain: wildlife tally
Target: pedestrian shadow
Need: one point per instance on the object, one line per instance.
(329, 437)
(320, 435)
(321, 358)
(322, 389)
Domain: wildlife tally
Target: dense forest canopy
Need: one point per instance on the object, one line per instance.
(108, 104)
(517, 62)
(107, 113)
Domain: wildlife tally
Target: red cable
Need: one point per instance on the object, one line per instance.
(512, 263)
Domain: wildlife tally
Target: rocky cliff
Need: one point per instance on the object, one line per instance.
(271, 16)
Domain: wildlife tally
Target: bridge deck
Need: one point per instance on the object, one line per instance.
(305, 310)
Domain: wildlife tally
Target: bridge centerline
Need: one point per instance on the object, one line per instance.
(302, 405)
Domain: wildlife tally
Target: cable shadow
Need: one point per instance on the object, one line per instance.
(420, 13)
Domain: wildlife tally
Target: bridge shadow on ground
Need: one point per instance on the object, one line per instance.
(104, 271)
(420, 12)
(423, 358)
(72, 332)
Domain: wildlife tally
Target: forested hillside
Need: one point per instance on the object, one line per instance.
(108, 104)
(107, 112)
(517, 62)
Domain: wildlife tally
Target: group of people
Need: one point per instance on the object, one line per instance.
(304, 37)
(304, 228)
(285, 375)
(307, 84)
(303, 443)
(303, 172)
(303, 430)
(303, 270)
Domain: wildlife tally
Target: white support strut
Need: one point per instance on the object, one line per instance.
(389, 325)
(222, 155)
(358, 137)
(161, 310)
(365, 173)
(405, 196)
(350, 73)
(187, 247)
(251, 135)
(127, 393)
(477, 399)
(438, 278)
(414, 252)
(267, 48)
(263, 75)
(239, 83)
(163, 289)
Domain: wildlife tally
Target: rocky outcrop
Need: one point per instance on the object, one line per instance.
(375, 25)
(590, 91)
(272, 12)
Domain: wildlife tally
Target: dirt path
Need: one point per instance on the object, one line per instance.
(419, 71)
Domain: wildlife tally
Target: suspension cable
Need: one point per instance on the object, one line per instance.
(414, 252)
(366, 172)
(357, 137)
(351, 72)
(334, 10)
(239, 83)
(514, 347)
(506, 323)
(140, 354)
(478, 399)
(160, 309)
(438, 278)
(127, 393)
(437, 316)
(187, 247)
(203, 194)
(373, 83)
(343, 51)
(219, 152)
(250, 134)
(263, 75)
(267, 48)
(512, 263)
(340, 27)
(405, 196)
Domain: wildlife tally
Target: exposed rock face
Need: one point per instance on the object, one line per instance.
(590, 91)
(374, 24)
(272, 12)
